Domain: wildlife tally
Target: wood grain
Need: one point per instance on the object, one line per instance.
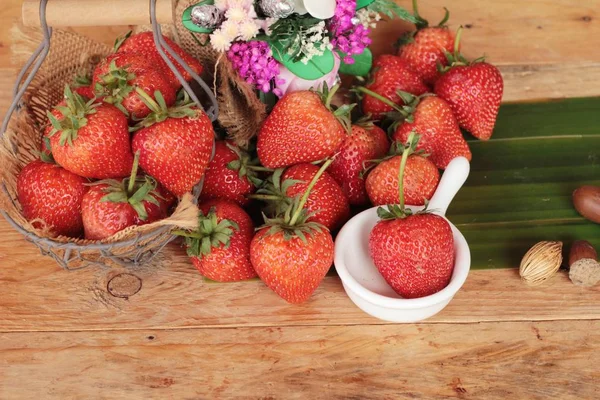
(526, 360)
(39, 296)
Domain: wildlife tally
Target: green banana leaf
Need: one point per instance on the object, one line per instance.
(521, 181)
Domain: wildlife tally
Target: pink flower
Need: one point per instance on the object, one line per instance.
(292, 83)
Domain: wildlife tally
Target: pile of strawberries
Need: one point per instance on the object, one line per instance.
(313, 164)
(87, 181)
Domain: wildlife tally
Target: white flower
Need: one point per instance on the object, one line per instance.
(221, 4)
(248, 29)
(219, 41)
(230, 30)
(322, 9)
(266, 24)
(236, 14)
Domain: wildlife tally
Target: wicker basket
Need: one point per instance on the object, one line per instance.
(69, 55)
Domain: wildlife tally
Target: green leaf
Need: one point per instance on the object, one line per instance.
(363, 3)
(316, 68)
(519, 189)
(362, 64)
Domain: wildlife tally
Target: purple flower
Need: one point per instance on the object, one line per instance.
(347, 37)
(254, 62)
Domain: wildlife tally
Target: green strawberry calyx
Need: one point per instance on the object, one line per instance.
(421, 23)
(341, 113)
(245, 165)
(273, 191)
(120, 40)
(133, 190)
(74, 114)
(114, 86)
(293, 221)
(45, 153)
(396, 211)
(211, 233)
(456, 58)
(159, 111)
(399, 113)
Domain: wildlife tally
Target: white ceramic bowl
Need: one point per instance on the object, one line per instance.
(364, 284)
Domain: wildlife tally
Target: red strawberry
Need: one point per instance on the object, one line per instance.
(390, 75)
(326, 204)
(413, 252)
(220, 247)
(474, 93)
(175, 145)
(368, 142)
(440, 135)
(292, 267)
(300, 129)
(53, 195)
(425, 49)
(111, 206)
(229, 175)
(421, 178)
(119, 77)
(290, 254)
(143, 43)
(82, 135)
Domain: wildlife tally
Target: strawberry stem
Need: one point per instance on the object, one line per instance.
(405, 154)
(133, 175)
(457, 41)
(379, 97)
(311, 185)
(264, 197)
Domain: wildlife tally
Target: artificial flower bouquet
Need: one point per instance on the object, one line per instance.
(282, 46)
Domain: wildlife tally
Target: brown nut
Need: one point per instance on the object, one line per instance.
(586, 200)
(582, 249)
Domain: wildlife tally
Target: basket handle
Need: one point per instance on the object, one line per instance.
(62, 13)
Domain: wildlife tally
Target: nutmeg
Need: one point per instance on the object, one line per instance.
(584, 269)
(541, 262)
(586, 201)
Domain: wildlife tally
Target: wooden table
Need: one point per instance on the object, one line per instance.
(66, 336)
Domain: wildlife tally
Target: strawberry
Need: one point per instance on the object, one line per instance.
(474, 92)
(440, 136)
(83, 134)
(229, 175)
(119, 78)
(302, 128)
(413, 252)
(326, 204)
(220, 247)
(50, 196)
(390, 75)
(143, 43)
(291, 255)
(111, 206)
(421, 178)
(82, 85)
(425, 49)
(175, 144)
(367, 142)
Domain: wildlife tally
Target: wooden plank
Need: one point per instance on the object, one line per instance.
(512, 31)
(490, 360)
(39, 296)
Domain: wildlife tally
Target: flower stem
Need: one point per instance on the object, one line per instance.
(133, 175)
(311, 185)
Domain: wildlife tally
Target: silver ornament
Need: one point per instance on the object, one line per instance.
(206, 16)
(277, 8)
